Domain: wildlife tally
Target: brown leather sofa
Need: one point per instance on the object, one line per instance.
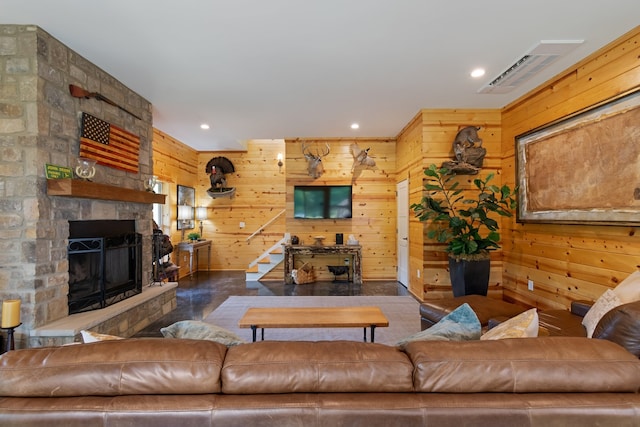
(620, 325)
(432, 311)
(547, 381)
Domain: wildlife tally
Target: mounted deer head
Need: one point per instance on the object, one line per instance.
(314, 161)
(361, 157)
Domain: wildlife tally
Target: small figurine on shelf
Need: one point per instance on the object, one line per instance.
(86, 168)
(150, 184)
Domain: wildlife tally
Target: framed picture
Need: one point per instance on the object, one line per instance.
(186, 196)
(584, 168)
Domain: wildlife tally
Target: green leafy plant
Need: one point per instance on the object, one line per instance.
(464, 223)
(193, 236)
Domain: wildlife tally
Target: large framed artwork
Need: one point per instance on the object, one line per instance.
(584, 168)
(186, 196)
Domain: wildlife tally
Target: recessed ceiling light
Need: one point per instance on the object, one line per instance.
(478, 72)
(355, 126)
(204, 126)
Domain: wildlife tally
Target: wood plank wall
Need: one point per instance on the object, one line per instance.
(374, 202)
(410, 167)
(173, 163)
(263, 190)
(569, 262)
(259, 197)
(429, 137)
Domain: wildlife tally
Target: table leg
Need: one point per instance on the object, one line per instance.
(365, 333)
(197, 259)
(253, 332)
(262, 333)
(373, 331)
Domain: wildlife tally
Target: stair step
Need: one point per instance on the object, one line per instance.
(253, 277)
(277, 258)
(267, 263)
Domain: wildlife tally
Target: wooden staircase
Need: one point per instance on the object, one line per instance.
(266, 262)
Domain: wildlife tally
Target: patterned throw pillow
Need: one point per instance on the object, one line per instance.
(524, 325)
(607, 301)
(195, 330)
(461, 324)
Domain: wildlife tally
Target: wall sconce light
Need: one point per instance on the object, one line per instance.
(10, 319)
(280, 161)
(201, 215)
(185, 214)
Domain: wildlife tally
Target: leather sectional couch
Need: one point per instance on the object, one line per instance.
(546, 381)
(620, 325)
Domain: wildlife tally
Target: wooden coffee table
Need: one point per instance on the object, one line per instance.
(314, 317)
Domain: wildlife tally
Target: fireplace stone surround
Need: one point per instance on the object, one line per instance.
(39, 125)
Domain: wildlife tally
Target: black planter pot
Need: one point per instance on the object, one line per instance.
(469, 277)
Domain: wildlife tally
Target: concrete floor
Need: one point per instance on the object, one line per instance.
(199, 296)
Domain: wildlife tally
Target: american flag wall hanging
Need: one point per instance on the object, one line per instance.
(109, 145)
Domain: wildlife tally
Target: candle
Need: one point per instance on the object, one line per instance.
(10, 313)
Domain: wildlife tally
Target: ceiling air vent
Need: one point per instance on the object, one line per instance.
(531, 63)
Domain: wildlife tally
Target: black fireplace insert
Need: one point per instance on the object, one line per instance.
(105, 263)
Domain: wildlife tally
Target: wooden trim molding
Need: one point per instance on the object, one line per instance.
(93, 190)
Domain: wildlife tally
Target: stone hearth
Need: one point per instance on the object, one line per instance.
(122, 319)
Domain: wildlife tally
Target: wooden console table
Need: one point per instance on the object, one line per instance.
(194, 247)
(290, 252)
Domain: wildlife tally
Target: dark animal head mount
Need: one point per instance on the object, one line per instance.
(314, 160)
(217, 168)
(466, 138)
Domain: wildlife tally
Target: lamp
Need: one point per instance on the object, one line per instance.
(201, 215)
(185, 214)
(10, 319)
(280, 161)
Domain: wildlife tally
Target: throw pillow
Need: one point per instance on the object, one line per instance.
(602, 306)
(524, 325)
(461, 324)
(629, 289)
(195, 330)
(90, 336)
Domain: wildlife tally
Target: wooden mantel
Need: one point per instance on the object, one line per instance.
(93, 190)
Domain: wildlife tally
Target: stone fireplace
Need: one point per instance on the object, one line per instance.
(40, 125)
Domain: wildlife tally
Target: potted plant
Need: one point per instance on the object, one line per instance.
(193, 236)
(465, 225)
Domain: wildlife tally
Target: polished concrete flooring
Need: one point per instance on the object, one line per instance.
(199, 296)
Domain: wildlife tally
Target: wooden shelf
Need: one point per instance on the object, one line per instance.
(93, 190)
